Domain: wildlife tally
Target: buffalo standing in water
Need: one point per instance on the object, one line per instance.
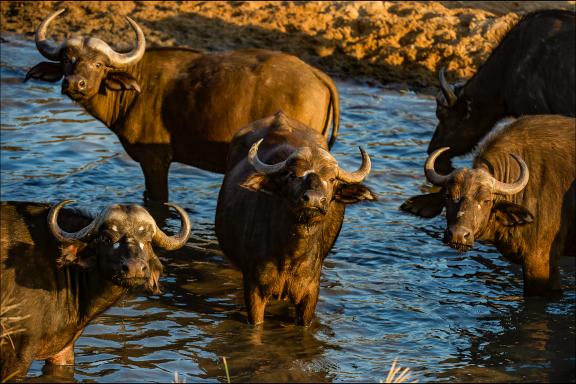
(62, 280)
(531, 72)
(280, 211)
(520, 196)
(172, 104)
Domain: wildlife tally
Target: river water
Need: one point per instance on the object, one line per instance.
(389, 289)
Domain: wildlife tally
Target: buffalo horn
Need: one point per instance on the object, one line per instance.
(124, 59)
(518, 185)
(172, 243)
(116, 59)
(446, 88)
(429, 171)
(62, 236)
(47, 50)
(262, 167)
(360, 174)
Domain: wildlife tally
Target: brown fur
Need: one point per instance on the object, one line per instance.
(182, 105)
(61, 288)
(533, 227)
(531, 72)
(261, 222)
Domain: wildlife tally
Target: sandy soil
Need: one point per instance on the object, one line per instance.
(388, 42)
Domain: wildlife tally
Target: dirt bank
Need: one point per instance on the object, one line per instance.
(389, 42)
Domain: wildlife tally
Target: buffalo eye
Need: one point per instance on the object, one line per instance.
(292, 175)
(98, 65)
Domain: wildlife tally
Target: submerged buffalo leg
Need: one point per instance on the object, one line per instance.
(255, 304)
(306, 307)
(64, 357)
(536, 270)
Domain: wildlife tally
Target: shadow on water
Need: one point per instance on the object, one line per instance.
(543, 342)
(389, 289)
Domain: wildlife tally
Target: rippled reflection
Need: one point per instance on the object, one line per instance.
(389, 288)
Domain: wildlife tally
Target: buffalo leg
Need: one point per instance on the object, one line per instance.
(537, 274)
(156, 179)
(255, 304)
(307, 306)
(64, 357)
(14, 365)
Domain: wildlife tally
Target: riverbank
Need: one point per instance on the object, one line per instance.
(392, 43)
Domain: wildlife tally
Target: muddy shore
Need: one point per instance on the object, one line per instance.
(392, 43)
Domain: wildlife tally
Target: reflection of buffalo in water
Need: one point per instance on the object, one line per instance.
(531, 72)
(520, 195)
(525, 340)
(62, 280)
(171, 104)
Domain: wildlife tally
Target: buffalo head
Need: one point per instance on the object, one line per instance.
(118, 242)
(462, 121)
(472, 204)
(309, 179)
(87, 64)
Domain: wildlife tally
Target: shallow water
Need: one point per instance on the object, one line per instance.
(389, 290)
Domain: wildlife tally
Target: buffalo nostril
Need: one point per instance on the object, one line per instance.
(125, 268)
(323, 200)
(305, 197)
(82, 84)
(144, 268)
(466, 235)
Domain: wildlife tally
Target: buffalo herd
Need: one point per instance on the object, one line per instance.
(267, 121)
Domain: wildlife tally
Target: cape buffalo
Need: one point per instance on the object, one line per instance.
(531, 72)
(173, 104)
(280, 211)
(61, 280)
(520, 196)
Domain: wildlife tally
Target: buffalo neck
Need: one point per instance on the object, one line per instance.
(306, 240)
(111, 107)
(89, 293)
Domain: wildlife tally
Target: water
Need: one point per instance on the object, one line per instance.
(389, 290)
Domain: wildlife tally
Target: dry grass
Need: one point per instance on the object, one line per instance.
(398, 375)
(9, 319)
(9, 323)
(178, 379)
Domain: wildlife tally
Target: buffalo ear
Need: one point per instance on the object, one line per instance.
(45, 71)
(121, 81)
(426, 206)
(70, 255)
(257, 182)
(354, 193)
(509, 214)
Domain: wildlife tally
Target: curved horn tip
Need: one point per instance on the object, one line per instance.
(172, 243)
(65, 202)
(430, 172)
(518, 185)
